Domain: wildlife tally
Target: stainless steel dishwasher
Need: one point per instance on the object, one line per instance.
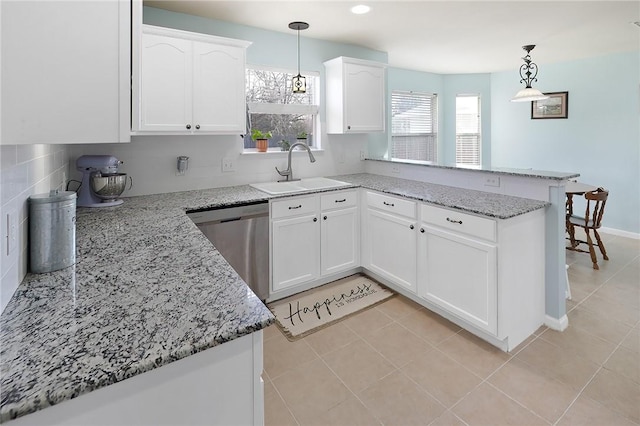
(241, 235)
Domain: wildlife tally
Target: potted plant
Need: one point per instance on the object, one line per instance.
(284, 144)
(261, 138)
(302, 136)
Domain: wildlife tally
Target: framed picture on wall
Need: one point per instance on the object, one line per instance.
(556, 106)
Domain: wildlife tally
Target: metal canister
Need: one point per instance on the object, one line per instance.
(52, 231)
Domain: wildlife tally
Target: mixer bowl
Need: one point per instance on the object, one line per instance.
(108, 186)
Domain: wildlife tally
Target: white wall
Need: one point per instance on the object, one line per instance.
(25, 170)
(600, 139)
(151, 161)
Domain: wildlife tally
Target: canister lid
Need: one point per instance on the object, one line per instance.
(53, 196)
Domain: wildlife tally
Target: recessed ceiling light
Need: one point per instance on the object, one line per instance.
(360, 9)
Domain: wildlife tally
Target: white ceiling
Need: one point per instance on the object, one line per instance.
(445, 36)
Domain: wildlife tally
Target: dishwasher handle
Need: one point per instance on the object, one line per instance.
(231, 219)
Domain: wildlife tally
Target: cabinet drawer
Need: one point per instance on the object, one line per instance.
(461, 222)
(338, 200)
(294, 207)
(391, 204)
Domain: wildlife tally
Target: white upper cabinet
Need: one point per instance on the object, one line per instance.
(189, 83)
(355, 96)
(65, 71)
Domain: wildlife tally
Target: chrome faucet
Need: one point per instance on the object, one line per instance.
(288, 173)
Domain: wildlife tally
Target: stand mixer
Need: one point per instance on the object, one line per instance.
(101, 183)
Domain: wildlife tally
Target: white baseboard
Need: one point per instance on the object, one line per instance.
(620, 233)
(555, 323)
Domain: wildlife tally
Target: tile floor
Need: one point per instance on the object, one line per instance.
(399, 364)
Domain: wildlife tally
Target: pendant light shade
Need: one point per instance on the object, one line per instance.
(299, 82)
(528, 73)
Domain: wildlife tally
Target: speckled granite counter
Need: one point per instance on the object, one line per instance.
(468, 200)
(148, 288)
(530, 173)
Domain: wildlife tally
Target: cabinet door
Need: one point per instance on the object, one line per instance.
(295, 251)
(65, 71)
(364, 98)
(391, 248)
(218, 88)
(339, 240)
(458, 274)
(165, 84)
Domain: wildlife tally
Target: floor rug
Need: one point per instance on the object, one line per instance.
(307, 312)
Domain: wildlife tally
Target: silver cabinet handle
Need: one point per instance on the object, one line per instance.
(411, 226)
(197, 127)
(325, 218)
(315, 219)
(422, 230)
(459, 222)
(295, 207)
(340, 201)
(188, 126)
(388, 204)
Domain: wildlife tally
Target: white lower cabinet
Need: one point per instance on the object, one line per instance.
(295, 251)
(459, 274)
(339, 241)
(312, 237)
(391, 247)
(389, 238)
(486, 275)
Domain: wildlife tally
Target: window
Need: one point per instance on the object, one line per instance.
(414, 126)
(468, 137)
(273, 107)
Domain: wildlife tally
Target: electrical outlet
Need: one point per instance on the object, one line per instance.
(12, 231)
(362, 156)
(492, 181)
(228, 165)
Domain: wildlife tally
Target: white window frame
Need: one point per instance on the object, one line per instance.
(463, 143)
(430, 138)
(302, 109)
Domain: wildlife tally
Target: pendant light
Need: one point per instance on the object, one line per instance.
(528, 73)
(299, 82)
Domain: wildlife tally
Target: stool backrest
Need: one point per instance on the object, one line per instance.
(599, 199)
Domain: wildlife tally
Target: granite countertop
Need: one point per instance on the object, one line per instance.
(530, 173)
(468, 200)
(148, 288)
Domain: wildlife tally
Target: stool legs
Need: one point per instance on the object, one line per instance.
(602, 249)
(592, 251)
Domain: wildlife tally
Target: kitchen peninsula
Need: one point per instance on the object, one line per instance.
(149, 289)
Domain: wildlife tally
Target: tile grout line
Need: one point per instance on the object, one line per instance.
(342, 381)
(600, 367)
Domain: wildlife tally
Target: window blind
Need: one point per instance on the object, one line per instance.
(414, 126)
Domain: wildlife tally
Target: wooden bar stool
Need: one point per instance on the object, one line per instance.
(596, 201)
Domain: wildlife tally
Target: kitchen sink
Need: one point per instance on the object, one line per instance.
(307, 184)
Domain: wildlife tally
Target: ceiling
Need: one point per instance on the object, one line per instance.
(447, 37)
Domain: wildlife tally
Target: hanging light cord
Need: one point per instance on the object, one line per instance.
(298, 51)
